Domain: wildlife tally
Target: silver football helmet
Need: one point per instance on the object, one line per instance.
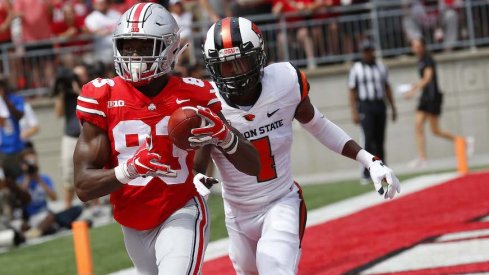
(149, 22)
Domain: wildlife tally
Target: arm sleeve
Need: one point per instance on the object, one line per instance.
(92, 105)
(326, 132)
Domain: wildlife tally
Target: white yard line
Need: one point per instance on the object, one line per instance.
(333, 211)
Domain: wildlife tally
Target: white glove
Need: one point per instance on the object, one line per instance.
(379, 173)
(203, 183)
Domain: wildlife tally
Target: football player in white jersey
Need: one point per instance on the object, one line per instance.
(266, 214)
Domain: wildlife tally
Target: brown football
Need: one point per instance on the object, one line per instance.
(181, 122)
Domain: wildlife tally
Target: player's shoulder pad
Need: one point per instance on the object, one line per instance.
(92, 101)
(201, 91)
(300, 78)
(97, 89)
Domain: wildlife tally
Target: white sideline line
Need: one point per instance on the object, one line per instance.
(333, 211)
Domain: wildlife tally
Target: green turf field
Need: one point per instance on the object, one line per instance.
(109, 255)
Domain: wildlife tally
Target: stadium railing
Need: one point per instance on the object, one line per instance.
(335, 33)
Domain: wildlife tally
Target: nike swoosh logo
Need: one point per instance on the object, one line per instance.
(272, 113)
(182, 101)
(138, 163)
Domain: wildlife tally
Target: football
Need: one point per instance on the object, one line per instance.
(181, 122)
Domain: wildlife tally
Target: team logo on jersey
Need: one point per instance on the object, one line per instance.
(115, 103)
(151, 107)
(249, 117)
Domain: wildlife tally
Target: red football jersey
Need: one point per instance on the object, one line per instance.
(128, 116)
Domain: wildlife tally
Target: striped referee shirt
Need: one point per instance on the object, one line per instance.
(368, 80)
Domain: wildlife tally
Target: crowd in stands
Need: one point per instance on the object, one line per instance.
(316, 29)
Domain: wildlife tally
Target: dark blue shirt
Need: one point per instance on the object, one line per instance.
(10, 141)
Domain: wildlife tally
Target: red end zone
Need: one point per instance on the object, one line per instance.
(356, 242)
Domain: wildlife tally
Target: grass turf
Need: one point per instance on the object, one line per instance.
(109, 255)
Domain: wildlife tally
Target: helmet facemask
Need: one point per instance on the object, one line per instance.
(155, 59)
(237, 74)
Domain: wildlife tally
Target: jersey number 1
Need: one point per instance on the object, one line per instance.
(268, 170)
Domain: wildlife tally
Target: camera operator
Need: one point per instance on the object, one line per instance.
(39, 220)
(66, 89)
(11, 196)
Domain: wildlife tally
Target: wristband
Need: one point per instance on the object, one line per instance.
(120, 173)
(365, 158)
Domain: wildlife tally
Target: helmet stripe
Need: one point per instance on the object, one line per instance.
(227, 40)
(135, 18)
(236, 32)
(217, 35)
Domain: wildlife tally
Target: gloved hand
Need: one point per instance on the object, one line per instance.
(143, 163)
(215, 132)
(379, 173)
(203, 183)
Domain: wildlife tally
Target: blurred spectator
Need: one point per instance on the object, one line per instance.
(11, 145)
(81, 9)
(102, 22)
(221, 8)
(39, 219)
(353, 32)
(449, 19)
(251, 7)
(211, 9)
(29, 125)
(6, 16)
(66, 89)
(302, 33)
(70, 25)
(325, 44)
(36, 17)
(57, 15)
(184, 21)
(11, 195)
(369, 87)
(418, 19)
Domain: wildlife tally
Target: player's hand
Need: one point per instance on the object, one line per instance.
(143, 163)
(203, 183)
(379, 173)
(215, 132)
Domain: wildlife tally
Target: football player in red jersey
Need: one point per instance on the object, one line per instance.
(124, 149)
(265, 214)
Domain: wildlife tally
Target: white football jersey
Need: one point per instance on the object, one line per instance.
(268, 126)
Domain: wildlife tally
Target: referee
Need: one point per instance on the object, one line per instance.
(369, 88)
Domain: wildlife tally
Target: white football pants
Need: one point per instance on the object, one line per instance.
(176, 246)
(267, 242)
